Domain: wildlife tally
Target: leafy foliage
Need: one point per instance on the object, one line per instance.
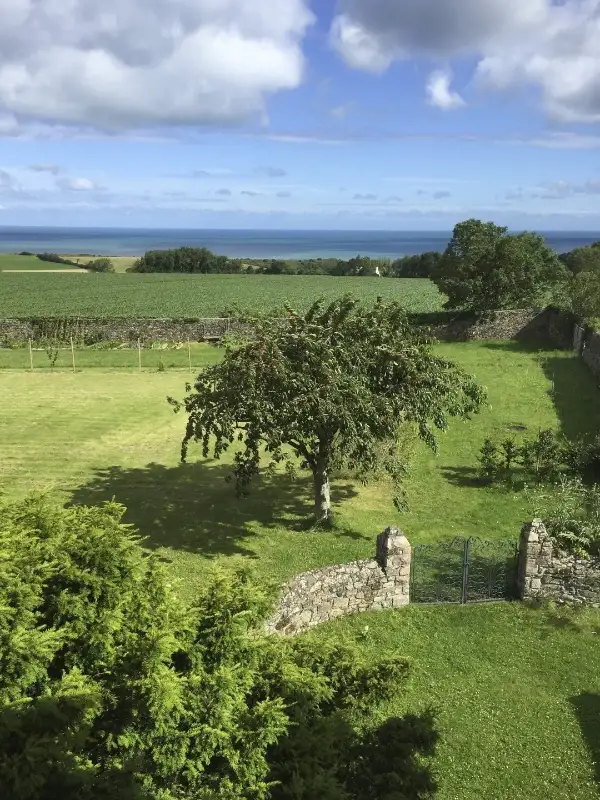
(542, 459)
(54, 258)
(570, 510)
(100, 265)
(109, 687)
(186, 259)
(325, 389)
(582, 259)
(483, 269)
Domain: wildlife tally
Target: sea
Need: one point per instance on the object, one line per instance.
(291, 244)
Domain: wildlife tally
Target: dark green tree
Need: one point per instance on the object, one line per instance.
(484, 269)
(326, 388)
(583, 259)
(111, 688)
(100, 265)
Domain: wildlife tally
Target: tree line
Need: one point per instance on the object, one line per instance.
(202, 260)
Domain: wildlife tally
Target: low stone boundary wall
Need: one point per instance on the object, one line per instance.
(514, 324)
(548, 574)
(368, 585)
(445, 326)
(118, 331)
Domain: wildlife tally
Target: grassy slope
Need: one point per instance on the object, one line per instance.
(10, 261)
(192, 295)
(516, 691)
(96, 434)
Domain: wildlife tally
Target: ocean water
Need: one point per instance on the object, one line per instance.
(249, 243)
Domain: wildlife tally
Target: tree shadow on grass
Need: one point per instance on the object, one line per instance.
(464, 477)
(574, 389)
(192, 507)
(587, 710)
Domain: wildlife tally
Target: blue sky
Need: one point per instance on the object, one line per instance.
(357, 114)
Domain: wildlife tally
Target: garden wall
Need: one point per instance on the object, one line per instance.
(369, 585)
(517, 324)
(119, 331)
(445, 326)
(545, 573)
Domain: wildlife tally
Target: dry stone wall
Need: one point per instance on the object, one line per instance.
(117, 331)
(368, 585)
(514, 324)
(445, 326)
(546, 573)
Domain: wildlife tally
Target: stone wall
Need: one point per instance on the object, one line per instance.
(445, 326)
(369, 585)
(517, 324)
(119, 331)
(545, 573)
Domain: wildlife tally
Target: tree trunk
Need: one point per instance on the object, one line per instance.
(322, 495)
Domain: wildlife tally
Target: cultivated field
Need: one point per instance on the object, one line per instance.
(160, 295)
(10, 262)
(527, 678)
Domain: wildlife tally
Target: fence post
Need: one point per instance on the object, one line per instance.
(73, 354)
(30, 355)
(139, 355)
(465, 583)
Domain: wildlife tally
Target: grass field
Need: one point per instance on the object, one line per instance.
(122, 358)
(9, 261)
(192, 295)
(516, 690)
(96, 434)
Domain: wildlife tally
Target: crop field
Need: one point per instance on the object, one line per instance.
(8, 261)
(160, 295)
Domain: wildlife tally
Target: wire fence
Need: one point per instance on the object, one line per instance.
(190, 357)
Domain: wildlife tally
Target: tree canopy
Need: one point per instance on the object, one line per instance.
(484, 269)
(326, 389)
(583, 259)
(111, 688)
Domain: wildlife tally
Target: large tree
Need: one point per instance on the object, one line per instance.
(327, 387)
(485, 269)
(111, 688)
(583, 259)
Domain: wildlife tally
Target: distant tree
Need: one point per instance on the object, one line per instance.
(111, 688)
(484, 269)
(423, 265)
(583, 295)
(327, 387)
(100, 265)
(583, 259)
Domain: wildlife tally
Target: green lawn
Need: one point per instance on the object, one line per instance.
(160, 295)
(10, 261)
(121, 358)
(516, 691)
(97, 434)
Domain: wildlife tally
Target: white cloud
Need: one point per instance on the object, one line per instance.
(551, 46)
(440, 94)
(78, 184)
(124, 64)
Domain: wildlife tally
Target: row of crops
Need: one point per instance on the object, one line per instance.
(160, 296)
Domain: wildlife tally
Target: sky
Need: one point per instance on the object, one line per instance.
(300, 114)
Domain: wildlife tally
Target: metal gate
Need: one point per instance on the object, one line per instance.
(464, 571)
(578, 342)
